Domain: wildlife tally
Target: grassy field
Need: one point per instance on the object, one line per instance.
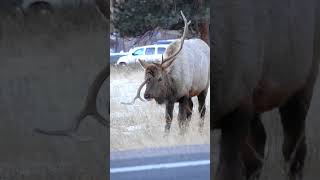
(274, 163)
(46, 67)
(142, 125)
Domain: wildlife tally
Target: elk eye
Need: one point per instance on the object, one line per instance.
(160, 79)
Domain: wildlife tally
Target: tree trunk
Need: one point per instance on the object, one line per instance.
(203, 24)
(204, 31)
(104, 7)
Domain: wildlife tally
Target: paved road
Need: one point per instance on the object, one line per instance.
(174, 163)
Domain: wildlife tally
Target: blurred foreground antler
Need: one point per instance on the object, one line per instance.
(90, 108)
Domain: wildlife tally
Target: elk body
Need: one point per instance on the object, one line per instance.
(265, 56)
(182, 74)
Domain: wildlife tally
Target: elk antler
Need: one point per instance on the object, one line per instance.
(170, 59)
(138, 94)
(158, 64)
(90, 109)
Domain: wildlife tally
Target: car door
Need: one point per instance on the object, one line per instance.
(160, 51)
(150, 54)
(137, 54)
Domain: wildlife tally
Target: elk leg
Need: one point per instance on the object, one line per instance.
(253, 153)
(294, 149)
(189, 109)
(183, 114)
(234, 132)
(202, 108)
(169, 114)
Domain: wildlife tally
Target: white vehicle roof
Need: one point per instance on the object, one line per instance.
(149, 46)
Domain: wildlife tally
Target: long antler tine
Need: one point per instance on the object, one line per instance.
(138, 94)
(90, 109)
(162, 59)
(170, 59)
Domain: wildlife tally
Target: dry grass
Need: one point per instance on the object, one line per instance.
(142, 125)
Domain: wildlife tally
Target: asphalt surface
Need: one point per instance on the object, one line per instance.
(174, 163)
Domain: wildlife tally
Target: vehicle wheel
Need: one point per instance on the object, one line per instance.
(122, 64)
(40, 8)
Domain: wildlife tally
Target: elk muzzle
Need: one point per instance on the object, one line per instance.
(147, 96)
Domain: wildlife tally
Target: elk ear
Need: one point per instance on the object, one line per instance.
(143, 63)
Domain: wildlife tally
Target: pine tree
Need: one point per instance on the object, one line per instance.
(135, 17)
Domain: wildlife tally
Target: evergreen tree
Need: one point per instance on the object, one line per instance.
(135, 17)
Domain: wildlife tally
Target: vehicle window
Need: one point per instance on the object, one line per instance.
(161, 50)
(150, 51)
(138, 52)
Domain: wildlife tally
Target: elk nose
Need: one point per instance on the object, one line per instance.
(147, 96)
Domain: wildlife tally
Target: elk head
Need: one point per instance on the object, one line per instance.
(157, 80)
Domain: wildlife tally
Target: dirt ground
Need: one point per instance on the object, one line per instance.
(274, 163)
(46, 67)
(142, 125)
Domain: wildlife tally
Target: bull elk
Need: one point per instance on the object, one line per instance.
(182, 74)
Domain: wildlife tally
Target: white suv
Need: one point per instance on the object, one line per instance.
(150, 53)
